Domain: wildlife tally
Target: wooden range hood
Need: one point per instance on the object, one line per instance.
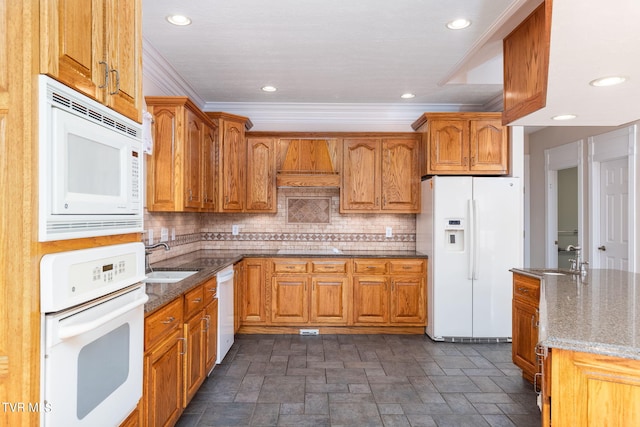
(308, 163)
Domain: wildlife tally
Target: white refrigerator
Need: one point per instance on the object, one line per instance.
(470, 227)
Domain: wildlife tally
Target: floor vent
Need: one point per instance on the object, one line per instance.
(309, 332)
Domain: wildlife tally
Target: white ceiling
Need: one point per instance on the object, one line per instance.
(323, 55)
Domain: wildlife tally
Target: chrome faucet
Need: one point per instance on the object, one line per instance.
(576, 264)
(147, 252)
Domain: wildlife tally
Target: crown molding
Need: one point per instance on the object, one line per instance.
(161, 79)
(338, 117)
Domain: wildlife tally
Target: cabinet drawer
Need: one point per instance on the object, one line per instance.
(526, 288)
(333, 266)
(400, 266)
(209, 290)
(193, 301)
(370, 266)
(289, 266)
(162, 322)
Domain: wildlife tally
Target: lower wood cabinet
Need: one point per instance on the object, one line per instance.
(329, 300)
(526, 299)
(370, 300)
(594, 390)
(389, 292)
(163, 366)
(178, 353)
(332, 292)
(290, 299)
(253, 287)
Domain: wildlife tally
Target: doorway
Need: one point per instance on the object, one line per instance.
(612, 186)
(564, 205)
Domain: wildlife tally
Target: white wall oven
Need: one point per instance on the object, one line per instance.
(92, 304)
(90, 167)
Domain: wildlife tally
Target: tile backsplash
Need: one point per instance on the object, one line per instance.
(307, 219)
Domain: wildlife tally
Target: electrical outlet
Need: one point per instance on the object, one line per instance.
(389, 232)
(164, 234)
(150, 236)
(173, 233)
(235, 229)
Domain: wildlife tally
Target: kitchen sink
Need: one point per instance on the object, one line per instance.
(168, 276)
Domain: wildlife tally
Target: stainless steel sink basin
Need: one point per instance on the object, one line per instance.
(168, 276)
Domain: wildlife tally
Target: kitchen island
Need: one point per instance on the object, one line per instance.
(589, 346)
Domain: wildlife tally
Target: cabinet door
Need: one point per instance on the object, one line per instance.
(73, 46)
(261, 180)
(193, 194)
(163, 376)
(211, 335)
(525, 338)
(161, 167)
(408, 300)
(329, 296)
(489, 146)
(448, 146)
(254, 291)
(400, 175)
(194, 373)
(370, 300)
(361, 175)
(232, 164)
(289, 300)
(209, 169)
(124, 47)
(594, 390)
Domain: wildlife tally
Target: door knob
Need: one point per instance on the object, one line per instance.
(602, 248)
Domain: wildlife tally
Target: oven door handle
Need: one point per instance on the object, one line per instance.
(66, 332)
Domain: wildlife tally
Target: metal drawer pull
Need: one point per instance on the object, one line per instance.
(170, 319)
(184, 345)
(407, 267)
(197, 300)
(523, 290)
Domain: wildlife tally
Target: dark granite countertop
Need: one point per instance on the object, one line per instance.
(208, 262)
(595, 313)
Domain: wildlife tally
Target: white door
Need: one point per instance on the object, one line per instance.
(613, 244)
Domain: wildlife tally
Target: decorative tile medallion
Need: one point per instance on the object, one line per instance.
(316, 210)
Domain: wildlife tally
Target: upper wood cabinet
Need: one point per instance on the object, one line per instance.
(360, 189)
(380, 174)
(526, 64)
(232, 155)
(463, 144)
(180, 173)
(95, 46)
(261, 175)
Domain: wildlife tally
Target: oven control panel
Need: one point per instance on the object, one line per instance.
(71, 278)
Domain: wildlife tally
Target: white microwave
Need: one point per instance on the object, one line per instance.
(90, 167)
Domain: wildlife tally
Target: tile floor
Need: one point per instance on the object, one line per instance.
(363, 380)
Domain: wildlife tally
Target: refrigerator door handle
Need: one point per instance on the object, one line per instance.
(476, 267)
(472, 243)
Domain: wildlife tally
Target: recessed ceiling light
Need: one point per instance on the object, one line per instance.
(564, 117)
(179, 20)
(608, 81)
(407, 96)
(269, 88)
(458, 24)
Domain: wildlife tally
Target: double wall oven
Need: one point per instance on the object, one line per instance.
(92, 304)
